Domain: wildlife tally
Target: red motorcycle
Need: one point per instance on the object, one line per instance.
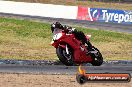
(71, 51)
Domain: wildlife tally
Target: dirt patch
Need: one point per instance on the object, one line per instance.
(31, 80)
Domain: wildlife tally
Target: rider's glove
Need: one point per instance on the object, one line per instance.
(71, 30)
(52, 27)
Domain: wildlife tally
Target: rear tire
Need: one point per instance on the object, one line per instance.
(97, 60)
(63, 57)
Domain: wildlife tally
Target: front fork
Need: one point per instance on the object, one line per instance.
(67, 51)
(65, 47)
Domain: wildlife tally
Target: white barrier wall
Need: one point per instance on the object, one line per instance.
(67, 12)
(37, 9)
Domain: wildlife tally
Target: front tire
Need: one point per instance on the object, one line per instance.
(64, 57)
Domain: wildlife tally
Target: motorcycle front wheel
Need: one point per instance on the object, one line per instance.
(65, 58)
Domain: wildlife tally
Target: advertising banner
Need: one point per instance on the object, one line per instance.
(104, 15)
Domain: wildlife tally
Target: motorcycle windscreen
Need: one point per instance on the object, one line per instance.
(57, 30)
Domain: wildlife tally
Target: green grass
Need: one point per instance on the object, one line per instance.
(123, 6)
(23, 39)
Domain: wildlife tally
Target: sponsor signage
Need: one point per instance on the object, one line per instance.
(104, 15)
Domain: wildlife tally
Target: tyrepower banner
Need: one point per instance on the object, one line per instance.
(104, 15)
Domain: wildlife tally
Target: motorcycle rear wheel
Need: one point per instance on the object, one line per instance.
(63, 57)
(97, 60)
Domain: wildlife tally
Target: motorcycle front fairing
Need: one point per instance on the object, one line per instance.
(57, 35)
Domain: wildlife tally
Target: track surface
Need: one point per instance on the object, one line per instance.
(59, 69)
(56, 67)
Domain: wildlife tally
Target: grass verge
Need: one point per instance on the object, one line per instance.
(23, 39)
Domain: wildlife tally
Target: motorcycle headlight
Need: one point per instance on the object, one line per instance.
(57, 36)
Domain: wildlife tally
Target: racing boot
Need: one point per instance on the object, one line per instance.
(91, 49)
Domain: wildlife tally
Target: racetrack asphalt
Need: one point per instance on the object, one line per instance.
(62, 69)
(56, 67)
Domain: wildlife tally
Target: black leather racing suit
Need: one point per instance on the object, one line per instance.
(79, 35)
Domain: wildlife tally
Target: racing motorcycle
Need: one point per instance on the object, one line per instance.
(71, 51)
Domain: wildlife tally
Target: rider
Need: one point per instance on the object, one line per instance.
(78, 34)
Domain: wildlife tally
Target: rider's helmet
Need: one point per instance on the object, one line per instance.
(56, 25)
